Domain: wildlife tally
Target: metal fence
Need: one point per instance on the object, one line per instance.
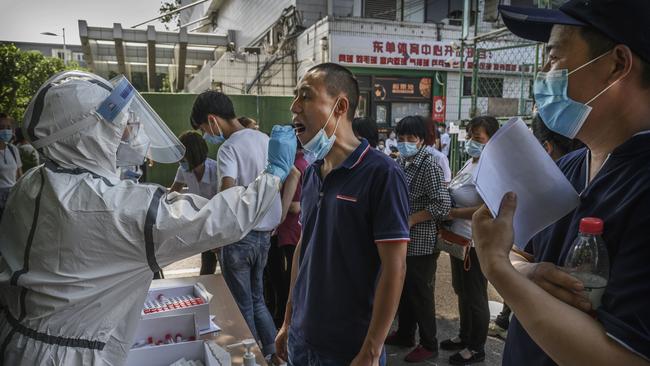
(498, 81)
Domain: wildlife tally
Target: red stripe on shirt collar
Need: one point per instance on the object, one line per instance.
(363, 154)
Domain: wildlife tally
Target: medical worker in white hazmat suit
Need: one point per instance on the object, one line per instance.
(79, 246)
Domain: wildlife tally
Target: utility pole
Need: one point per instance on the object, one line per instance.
(65, 59)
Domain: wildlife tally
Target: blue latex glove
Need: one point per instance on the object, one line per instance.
(282, 151)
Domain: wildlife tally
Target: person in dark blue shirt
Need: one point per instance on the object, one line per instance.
(348, 276)
(595, 86)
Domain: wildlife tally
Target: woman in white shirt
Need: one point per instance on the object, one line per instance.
(470, 285)
(198, 173)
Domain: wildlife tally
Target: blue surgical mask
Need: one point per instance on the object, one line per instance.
(318, 147)
(407, 149)
(560, 113)
(212, 138)
(132, 175)
(6, 135)
(474, 148)
(185, 166)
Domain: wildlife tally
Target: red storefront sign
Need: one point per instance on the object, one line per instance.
(439, 108)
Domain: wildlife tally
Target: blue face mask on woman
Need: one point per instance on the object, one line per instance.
(474, 148)
(407, 149)
(6, 135)
(185, 166)
(560, 113)
(212, 138)
(318, 147)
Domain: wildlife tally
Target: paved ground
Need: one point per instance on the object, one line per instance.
(446, 311)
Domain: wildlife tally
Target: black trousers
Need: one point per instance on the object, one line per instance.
(417, 309)
(277, 279)
(503, 319)
(473, 308)
(208, 262)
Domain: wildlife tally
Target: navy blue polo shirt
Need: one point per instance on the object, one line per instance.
(620, 195)
(362, 203)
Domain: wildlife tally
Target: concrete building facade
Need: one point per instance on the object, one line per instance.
(406, 54)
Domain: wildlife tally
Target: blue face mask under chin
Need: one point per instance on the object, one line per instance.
(320, 145)
(212, 138)
(560, 113)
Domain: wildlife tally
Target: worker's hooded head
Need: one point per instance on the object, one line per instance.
(80, 120)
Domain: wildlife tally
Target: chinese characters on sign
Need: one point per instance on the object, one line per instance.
(402, 89)
(373, 52)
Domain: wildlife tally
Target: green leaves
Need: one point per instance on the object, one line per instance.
(21, 74)
(167, 7)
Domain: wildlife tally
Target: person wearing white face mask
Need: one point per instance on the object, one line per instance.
(391, 141)
(348, 275)
(445, 140)
(10, 163)
(467, 279)
(429, 203)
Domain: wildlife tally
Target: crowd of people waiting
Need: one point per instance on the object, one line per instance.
(351, 244)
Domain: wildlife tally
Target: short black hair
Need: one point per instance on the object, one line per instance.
(340, 80)
(366, 127)
(599, 43)
(562, 144)
(412, 125)
(489, 123)
(211, 102)
(196, 149)
(4, 116)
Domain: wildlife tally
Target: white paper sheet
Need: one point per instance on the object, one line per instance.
(513, 160)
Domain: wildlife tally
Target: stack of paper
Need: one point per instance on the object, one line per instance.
(514, 161)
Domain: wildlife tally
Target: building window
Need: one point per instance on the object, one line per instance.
(60, 54)
(401, 110)
(486, 88)
(437, 10)
(413, 10)
(380, 9)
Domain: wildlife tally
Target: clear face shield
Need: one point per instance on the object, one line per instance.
(145, 135)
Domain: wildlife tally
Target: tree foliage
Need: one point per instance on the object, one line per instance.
(168, 6)
(21, 74)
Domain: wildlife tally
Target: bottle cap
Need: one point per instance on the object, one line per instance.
(591, 225)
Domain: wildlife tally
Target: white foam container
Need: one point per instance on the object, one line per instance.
(158, 327)
(201, 312)
(165, 355)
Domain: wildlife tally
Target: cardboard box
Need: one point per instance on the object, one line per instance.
(201, 312)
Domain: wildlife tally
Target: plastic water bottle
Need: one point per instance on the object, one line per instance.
(588, 260)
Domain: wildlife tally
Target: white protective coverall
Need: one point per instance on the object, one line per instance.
(79, 246)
